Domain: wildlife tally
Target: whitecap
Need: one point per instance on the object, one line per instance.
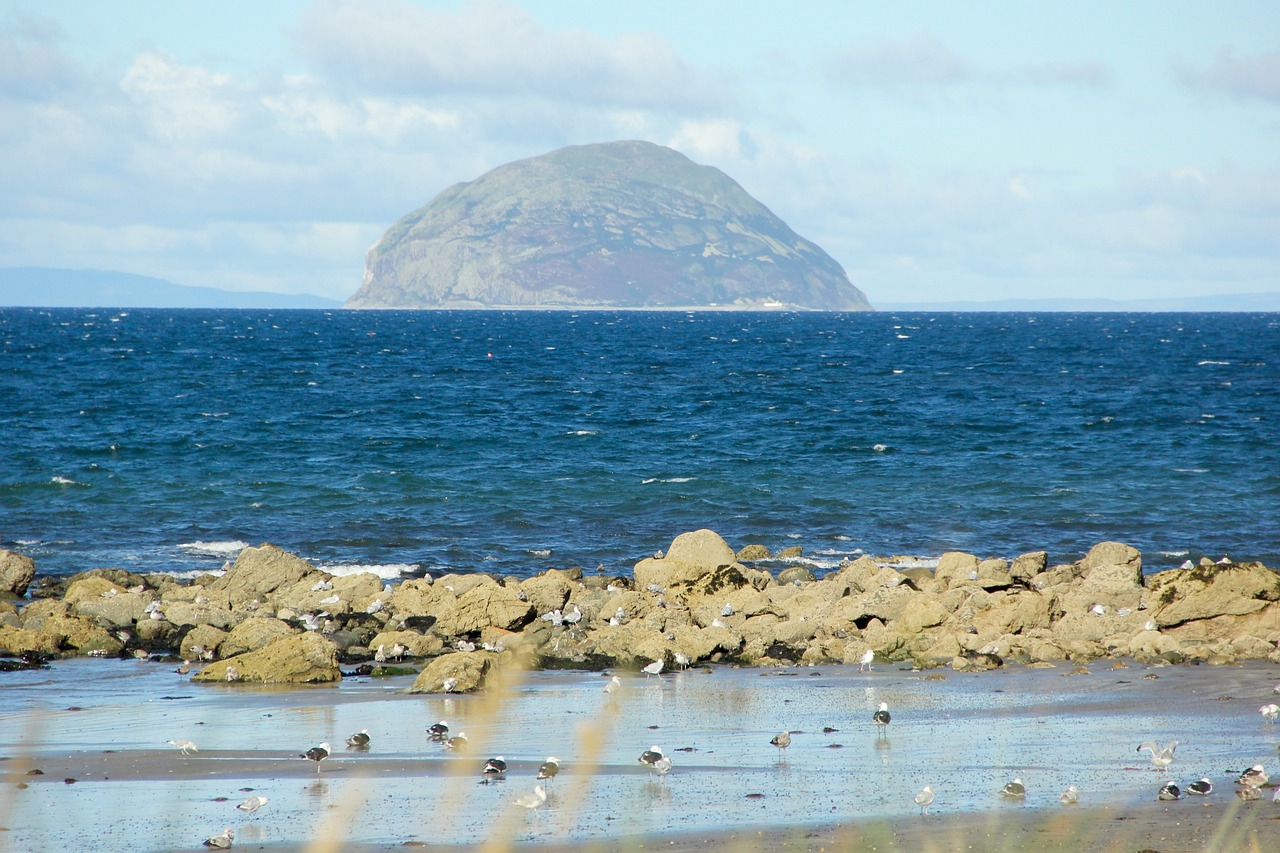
(222, 549)
(386, 571)
(64, 481)
(879, 448)
(1192, 470)
(911, 563)
(539, 552)
(667, 480)
(192, 574)
(1212, 362)
(1173, 553)
(583, 432)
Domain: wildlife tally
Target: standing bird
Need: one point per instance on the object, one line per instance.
(438, 732)
(1202, 788)
(252, 804)
(359, 740)
(881, 718)
(924, 799)
(1270, 712)
(185, 745)
(532, 800)
(316, 754)
(653, 668)
(495, 768)
(1169, 791)
(1014, 789)
(782, 740)
(655, 760)
(1071, 795)
(549, 768)
(220, 842)
(1161, 758)
(868, 657)
(457, 743)
(613, 685)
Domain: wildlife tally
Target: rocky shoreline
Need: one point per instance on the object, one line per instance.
(272, 617)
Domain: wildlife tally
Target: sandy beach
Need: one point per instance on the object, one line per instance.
(841, 785)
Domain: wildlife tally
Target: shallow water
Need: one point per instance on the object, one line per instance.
(965, 735)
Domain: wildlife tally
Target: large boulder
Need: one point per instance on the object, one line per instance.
(254, 633)
(257, 572)
(690, 556)
(548, 591)
(487, 605)
(1204, 592)
(16, 572)
(19, 640)
(457, 672)
(298, 659)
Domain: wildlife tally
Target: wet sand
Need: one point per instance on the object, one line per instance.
(841, 785)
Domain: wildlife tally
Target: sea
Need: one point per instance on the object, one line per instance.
(416, 442)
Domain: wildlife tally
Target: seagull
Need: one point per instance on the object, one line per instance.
(375, 606)
(655, 760)
(1161, 758)
(924, 799)
(311, 621)
(782, 740)
(727, 610)
(1270, 712)
(495, 767)
(464, 646)
(397, 651)
(1071, 795)
(1202, 788)
(532, 800)
(653, 668)
(380, 656)
(1254, 777)
(868, 657)
(222, 841)
(185, 745)
(549, 768)
(332, 599)
(1014, 789)
(1169, 791)
(359, 740)
(319, 586)
(573, 617)
(252, 804)
(458, 742)
(555, 617)
(1248, 793)
(881, 718)
(233, 673)
(438, 732)
(613, 685)
(316, 754)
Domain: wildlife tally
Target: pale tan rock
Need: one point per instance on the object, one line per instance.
(753, 552)
(956, 568)
(1112, 554)
(1183, 595)
(188, 613)
(491, 605)
(416, 644)
(1027, 566)
(457, 672)
(20, 640)
(547, 591)
(16, 572)
(796, 575)
(305, 658)
(201, 637)
(260, 571)
(459, 585)
(254, 633)
(690, 556)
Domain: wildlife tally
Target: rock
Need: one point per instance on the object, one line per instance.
(622, 224)
(16, 572)
(416, 645)
(751, 553)
(796, 574)
(690, 556)
(792, 552)
(1027, 566)
(492, 605)
(956, 568)
(16, 641)
(202, 637)
(254, 633)
(297, 659)
(465, 672)
(260, 571)
(548, 591)
(1205, 592)
(1112, 554)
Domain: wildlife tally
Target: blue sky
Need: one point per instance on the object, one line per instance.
(937, 150)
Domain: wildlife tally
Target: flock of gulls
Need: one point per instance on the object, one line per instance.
(1249, 783)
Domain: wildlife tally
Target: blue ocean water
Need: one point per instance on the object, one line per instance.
(164, 440)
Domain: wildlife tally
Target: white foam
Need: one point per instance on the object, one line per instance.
(667, 480)
(64, 481)
(1212, 362)
(539, 552)
(912, 563)
(386, 571)
(192, 574)
(223, 550)
(583, 432)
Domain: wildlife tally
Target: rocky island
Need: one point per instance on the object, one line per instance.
(613, 225)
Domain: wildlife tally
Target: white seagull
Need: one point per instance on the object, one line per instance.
(1071, 795)
(252, 804)
(868, 657)
(1161, 758)
(532, 800)
(613, 685)
(924, 799)
(1270, 711)
(222, 841)
(653, 668)
(782, 740)
(185, 745)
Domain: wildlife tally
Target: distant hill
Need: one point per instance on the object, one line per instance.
(43, 287)
(1261, 302)
(617, 225)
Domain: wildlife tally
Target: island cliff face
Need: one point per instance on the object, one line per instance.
(619, 224)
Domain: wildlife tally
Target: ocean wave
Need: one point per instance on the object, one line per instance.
(583, 432)
(667, 480)
(386, 571)
(1208, 361)
(539, 552)
(64, 481)
(222, 550)
(192, 574)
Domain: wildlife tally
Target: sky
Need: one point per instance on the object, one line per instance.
(937, 150)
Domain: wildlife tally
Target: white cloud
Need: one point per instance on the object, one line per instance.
(495, 50)
(1256, 76)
